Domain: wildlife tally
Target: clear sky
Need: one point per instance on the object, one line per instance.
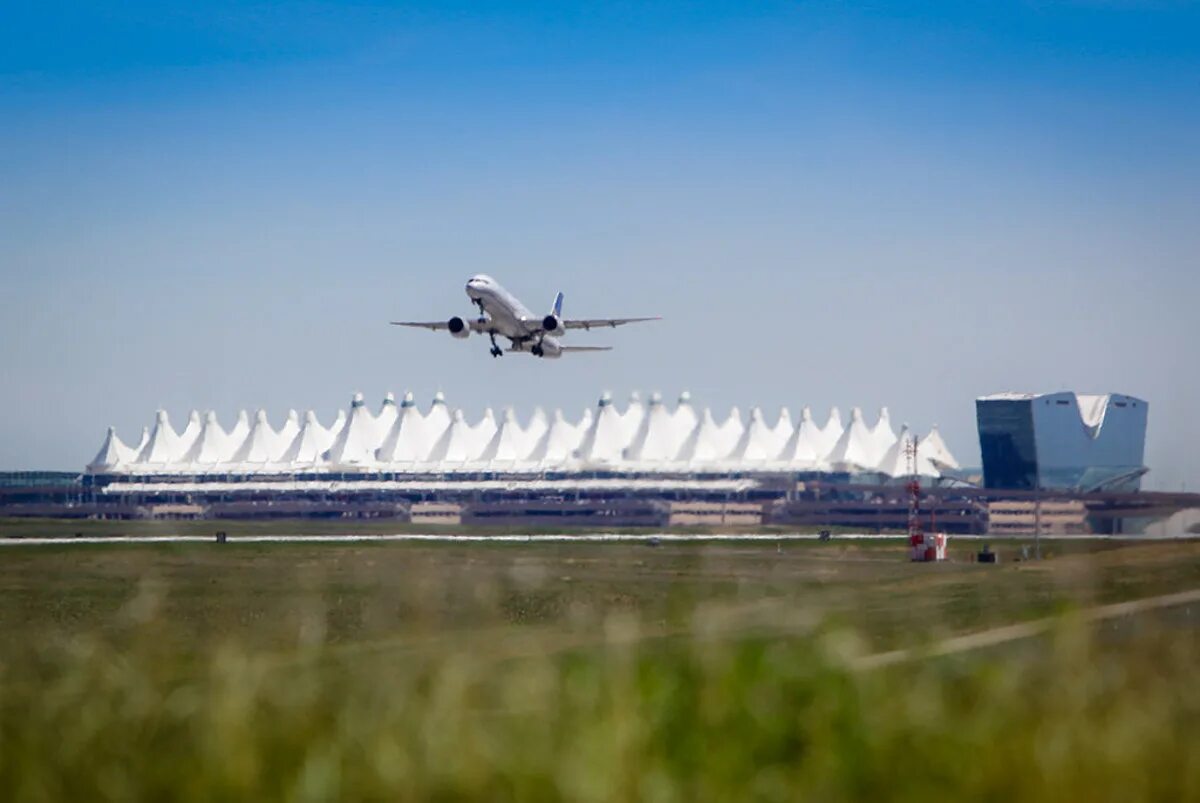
(219, 205)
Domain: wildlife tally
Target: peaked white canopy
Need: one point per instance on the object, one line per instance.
(855, 449)
(669, 439)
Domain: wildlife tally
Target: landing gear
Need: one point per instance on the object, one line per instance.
(537, 351)
(496, 350)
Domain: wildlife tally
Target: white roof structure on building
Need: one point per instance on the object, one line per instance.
(287, 433)
(539, 422)
(895, 461)
(758, 443)
(783, 429)
(605, 438)
(462, 442)
(667, 440)
(261, 446)
(388, 412)
(355, 445)
(855, 449)
(631, 419)
(559, 442)
(143, 439)
(685, 418)
(933, 447)
(162, 448)
(803, 448)
(238, 433)
(828, 435)
(410, 439)
(113, 454)
(882, 434)
(310, 443)
(656, 440)
(508, 444)
(190, 432)
(211, 446)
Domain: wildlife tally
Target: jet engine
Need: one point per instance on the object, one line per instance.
(553, 325)
(458, 327)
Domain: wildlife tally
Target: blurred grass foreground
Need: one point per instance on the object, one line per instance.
(532, 690)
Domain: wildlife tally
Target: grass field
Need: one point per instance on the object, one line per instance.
(613, 671)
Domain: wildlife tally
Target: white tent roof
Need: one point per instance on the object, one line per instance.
(190, 433)
(631, 419)
(828, 435)
(310, 442)
(882, 434)
(212, 445)
(509, 443)
(163, 446)
(560, 440)
(656, 440)
(437, 419)
(758, 442)
(113, 454)
(666, 439)
(933, 447)
(262, 445)
(539, 422)
(459, 443)
(784, 427)
(605, 437)
(143, 439)
(355, 444)
(706, 443)
(287, 433)
(484, 431)
(409, 440)
(803, 447)
(236, 435)
(685, 418)
(339, 421)
(895, 461)
(387, 415)
(855, 450)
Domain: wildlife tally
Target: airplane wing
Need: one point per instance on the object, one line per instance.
(439, 326)
(599, 323)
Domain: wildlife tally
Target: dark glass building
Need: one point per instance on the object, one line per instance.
(1062, 440)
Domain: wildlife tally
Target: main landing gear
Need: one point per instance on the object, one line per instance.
(536, 349)
(496, 350)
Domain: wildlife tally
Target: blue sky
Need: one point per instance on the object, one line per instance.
(219, 205)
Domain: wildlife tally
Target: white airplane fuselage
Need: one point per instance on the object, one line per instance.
(507, 316)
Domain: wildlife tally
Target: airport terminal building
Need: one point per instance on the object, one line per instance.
(1058, 462)
(400, 441)
(1062, 441)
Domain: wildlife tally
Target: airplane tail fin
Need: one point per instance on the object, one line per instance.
(557, 310)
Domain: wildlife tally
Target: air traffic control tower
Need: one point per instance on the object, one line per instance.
(1062, 441)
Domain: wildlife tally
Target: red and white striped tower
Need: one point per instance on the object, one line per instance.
(921, 547)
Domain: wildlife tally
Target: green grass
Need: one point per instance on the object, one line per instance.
(587, 672)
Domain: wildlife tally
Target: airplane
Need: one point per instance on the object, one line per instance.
(501, 313)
